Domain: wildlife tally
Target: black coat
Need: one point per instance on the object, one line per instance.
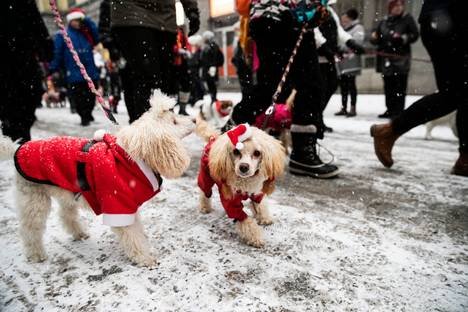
(395, 34)
(24, 41)
(211, 55)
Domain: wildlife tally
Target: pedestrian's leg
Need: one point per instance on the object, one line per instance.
(344, 87)
(353, 94)
(401, 85)
(387, 81)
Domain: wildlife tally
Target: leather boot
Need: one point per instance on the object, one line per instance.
(352, 111)
(461, 166)
(384, 139)
(304, 159)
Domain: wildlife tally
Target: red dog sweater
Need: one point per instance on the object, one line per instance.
(117, 185)
(233, 206)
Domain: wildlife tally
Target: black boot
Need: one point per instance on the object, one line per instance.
(183, 100)
(304, 159)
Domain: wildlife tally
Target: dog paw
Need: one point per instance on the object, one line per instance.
(265, 221)
(146, 261)
(258, 243)
(206, 209)
(80, 236)
(37, 257)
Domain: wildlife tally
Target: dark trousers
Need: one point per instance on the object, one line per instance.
(449, 57)
(348, 87)
(274, 47)
(17, 110)
(395, 87)
(149, 56)
(212, 87)
(329, 82)
(83, 99)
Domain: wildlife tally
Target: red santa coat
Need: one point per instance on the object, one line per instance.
(118, 186)
(233, 206)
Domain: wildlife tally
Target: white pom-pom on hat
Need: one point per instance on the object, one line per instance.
(99, 135)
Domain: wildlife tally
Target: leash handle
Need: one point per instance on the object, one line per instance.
(271, 109)
(76, 58)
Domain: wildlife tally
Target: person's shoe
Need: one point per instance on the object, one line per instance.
(461, 166)
(341, 112)
(385, 115)
(352, 112)
(182, 110)
(305, 161)
(327, 129)
(91, 118)
(85, 123)
(384, 139)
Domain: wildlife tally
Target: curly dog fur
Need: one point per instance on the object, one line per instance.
(154, 138)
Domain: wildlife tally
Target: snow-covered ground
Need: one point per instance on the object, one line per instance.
(372, 240)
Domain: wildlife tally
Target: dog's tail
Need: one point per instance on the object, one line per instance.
(204, 130)
(7, 148)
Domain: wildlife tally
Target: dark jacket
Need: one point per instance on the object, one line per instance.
(211, 55)
(395, 34)
(64, 59)
(24, 40)
(158, 14)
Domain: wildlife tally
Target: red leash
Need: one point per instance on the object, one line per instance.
(76, 58)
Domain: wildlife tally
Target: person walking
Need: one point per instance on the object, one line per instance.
(444, 29)
(197, 89)
(24, 43)
(350, 65)
(84, 36)
(393, 37)
(275, 28)
(211, 59)
(144, 31)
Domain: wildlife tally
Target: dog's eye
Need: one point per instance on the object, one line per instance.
(236, 152)
(174, 121)
(257, 153)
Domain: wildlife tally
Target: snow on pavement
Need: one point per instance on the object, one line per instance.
(375, 239)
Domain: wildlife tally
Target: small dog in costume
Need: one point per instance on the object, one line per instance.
(215, 113)
(244, 163)
(114, 174)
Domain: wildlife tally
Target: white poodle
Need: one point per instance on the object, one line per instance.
(114, 174)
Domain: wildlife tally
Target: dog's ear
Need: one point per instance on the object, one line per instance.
(268, 186)
(159, 149)
(220, 161)
(273, 155)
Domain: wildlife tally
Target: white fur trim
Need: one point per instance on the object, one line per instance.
(74, 15)
(99, 135)
(149, 174)
(239, 145)
(118, 219)
(246, 135)
(161, 102)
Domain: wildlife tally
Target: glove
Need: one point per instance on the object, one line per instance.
(194, 21)
(355, 47)
(327, 52)
(212, 71)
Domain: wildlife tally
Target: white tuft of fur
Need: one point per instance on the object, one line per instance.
(7, 148)
(160, 102)
(99, 135)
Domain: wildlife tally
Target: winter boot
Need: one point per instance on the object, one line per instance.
(304, 159)
(183, 100)
(341, 112)
(461, 166)
(384, 139)
(352, 112)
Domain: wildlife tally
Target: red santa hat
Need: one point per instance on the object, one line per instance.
(75, 13)
(239, 134)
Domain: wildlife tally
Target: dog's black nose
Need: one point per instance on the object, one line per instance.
(244, 168)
